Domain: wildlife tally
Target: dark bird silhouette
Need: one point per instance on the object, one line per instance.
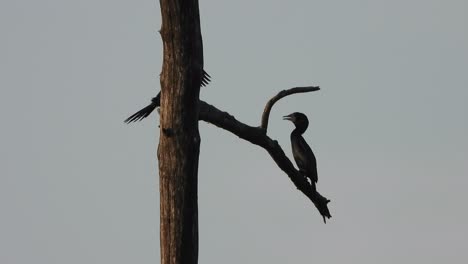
(303, 155)
(156, 101)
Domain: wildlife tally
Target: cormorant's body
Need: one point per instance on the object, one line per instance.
(156, 101)
(303, 155)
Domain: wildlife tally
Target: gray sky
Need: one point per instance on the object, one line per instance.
(389, 129)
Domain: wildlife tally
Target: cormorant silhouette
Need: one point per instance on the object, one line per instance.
(303, 155)
(155, 102)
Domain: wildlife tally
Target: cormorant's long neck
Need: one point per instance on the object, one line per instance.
(299, 130)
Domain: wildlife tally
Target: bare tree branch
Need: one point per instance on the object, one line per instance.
(257, 136)
(283, 93)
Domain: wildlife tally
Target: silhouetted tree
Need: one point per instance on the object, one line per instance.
(179, 143)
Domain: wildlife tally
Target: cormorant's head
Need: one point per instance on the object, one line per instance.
(299, 120)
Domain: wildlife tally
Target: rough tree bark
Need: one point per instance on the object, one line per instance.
(179, 142)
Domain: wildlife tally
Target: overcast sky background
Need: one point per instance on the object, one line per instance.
(389, 129)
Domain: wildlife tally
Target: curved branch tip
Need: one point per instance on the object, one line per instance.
(277, 97)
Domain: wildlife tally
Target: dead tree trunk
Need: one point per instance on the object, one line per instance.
(179, 142)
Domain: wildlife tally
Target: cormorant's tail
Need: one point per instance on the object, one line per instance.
(156, 101)
(314, 185)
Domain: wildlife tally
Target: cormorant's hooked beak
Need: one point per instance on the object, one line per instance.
(289, 117)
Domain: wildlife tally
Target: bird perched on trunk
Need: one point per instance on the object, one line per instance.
(156, 101)
(303, 155)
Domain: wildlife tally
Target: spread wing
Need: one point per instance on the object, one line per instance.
(155, 102)
(206, 78)
(145, 112)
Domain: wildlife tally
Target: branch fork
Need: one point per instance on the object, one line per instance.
(259, 137)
